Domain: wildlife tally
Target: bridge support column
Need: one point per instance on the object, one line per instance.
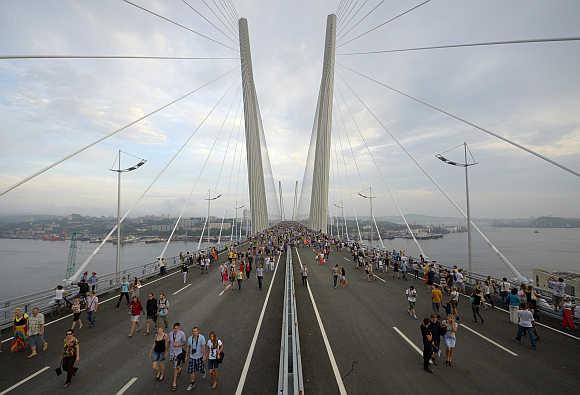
(319, 197)
(257, 190)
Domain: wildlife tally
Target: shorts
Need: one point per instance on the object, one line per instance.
(157, 356)
(212, 364)
(411, 304)
(76, 317)
(450, 341)
(177, 360)
(36, 341)
(151, 318)
(135, 318)
(196, 365)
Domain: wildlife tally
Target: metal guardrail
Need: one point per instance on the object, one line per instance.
(290, 381)
(45, 300)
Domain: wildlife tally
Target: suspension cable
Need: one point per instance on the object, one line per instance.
(465, 121)
(236, 123)
(381, 175)
(224, 15)
(384, 23)
(344, 34)
(165, 167)
(352, 18)
(348, 12)
(179, 25)
(194, 185)
(437, 185)
(209, 21)
(114, 132)
(225, 25)
(477, 44)
(111, 57)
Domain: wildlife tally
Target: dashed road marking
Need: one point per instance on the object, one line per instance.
(489, 340)
(126, 386)
(181, 289)
(24, 380)
(225, 289)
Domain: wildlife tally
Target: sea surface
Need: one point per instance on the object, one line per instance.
(27, 266)
(32, 265)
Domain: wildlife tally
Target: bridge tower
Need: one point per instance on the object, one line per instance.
(253, 123)
(318, 219)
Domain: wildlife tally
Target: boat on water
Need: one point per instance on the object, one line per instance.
(154, 240)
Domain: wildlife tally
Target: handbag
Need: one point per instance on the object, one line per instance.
(220, 357)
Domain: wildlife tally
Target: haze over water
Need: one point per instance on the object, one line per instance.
(32, 265)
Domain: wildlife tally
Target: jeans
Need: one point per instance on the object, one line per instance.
(334, 278)
(304, 280)
(427, 353)
(260, 278)
(522, 330)
(68, 366)
(239, 284)
(436, 306)
(91, 318)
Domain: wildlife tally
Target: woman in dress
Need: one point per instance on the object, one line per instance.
(158, 353)
(451, 327)
(20, 329)
(215, 348)
(70, 356)
(76, 310)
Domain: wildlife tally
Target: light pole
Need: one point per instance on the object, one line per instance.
(370, 197)
(341, 207)
(465, 165)
(209, 200)
(118, 170)
(236, 207)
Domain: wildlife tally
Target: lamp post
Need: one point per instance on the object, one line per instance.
(236, 207)
(118, 170)
(341, 207)
(465, 165)
(370, 197)
(209, 200)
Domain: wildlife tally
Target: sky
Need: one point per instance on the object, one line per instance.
(50, 108)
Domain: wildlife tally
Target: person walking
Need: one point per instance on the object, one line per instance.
(335, 274)
(525, 325)
(158, 353)
(514, 305)
(36, 332)
(163, 310)
(214, 356)
(196, 349)
(135, 309)
(71, 355)
(92, 307)
(454, 300)
(151, 311)
(162, 267)
(342, 277)
(76, 310)
(20, 323)
(568, 314)
(92, 281)
(260, 276)
(476, 304)
(240, 278)
(427, 336)
(124, 292)
(436, 298)
(177, 343)
(184, 270)
(411, 293)
(504, 291)
(304, 275)
(437, 331)
(450, 338)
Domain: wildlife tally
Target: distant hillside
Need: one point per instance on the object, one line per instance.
(540, 222)
(420, 219)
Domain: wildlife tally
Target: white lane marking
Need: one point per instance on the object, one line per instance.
(181, 289)
(33, 375)
(379, 278)
(341, 387)
(489, 340)
(242, 381)
(346, 259)
(405, 338)
(225, 289)
(126, 386)
(299, 260)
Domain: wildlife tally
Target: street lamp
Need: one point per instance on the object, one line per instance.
(341, 207)
(236, 207)
(209, 200)
(118, 170)
(465, 164)
(370, 197)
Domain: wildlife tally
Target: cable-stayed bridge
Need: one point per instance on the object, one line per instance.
(353, 340)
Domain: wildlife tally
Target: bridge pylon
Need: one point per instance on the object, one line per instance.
(252, 123)
(318, 218)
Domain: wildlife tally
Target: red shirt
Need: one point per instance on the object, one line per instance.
(136, 308)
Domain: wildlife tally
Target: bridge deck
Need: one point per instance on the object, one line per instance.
(371, 357)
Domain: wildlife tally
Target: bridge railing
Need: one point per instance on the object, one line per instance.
(45, 299)
(290, 381)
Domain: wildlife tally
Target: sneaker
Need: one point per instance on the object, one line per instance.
(191, 386)
(45, 346)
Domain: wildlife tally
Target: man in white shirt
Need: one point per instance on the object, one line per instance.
(36, 332)
(526, 325)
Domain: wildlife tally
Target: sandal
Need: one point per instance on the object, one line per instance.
(173, 388)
